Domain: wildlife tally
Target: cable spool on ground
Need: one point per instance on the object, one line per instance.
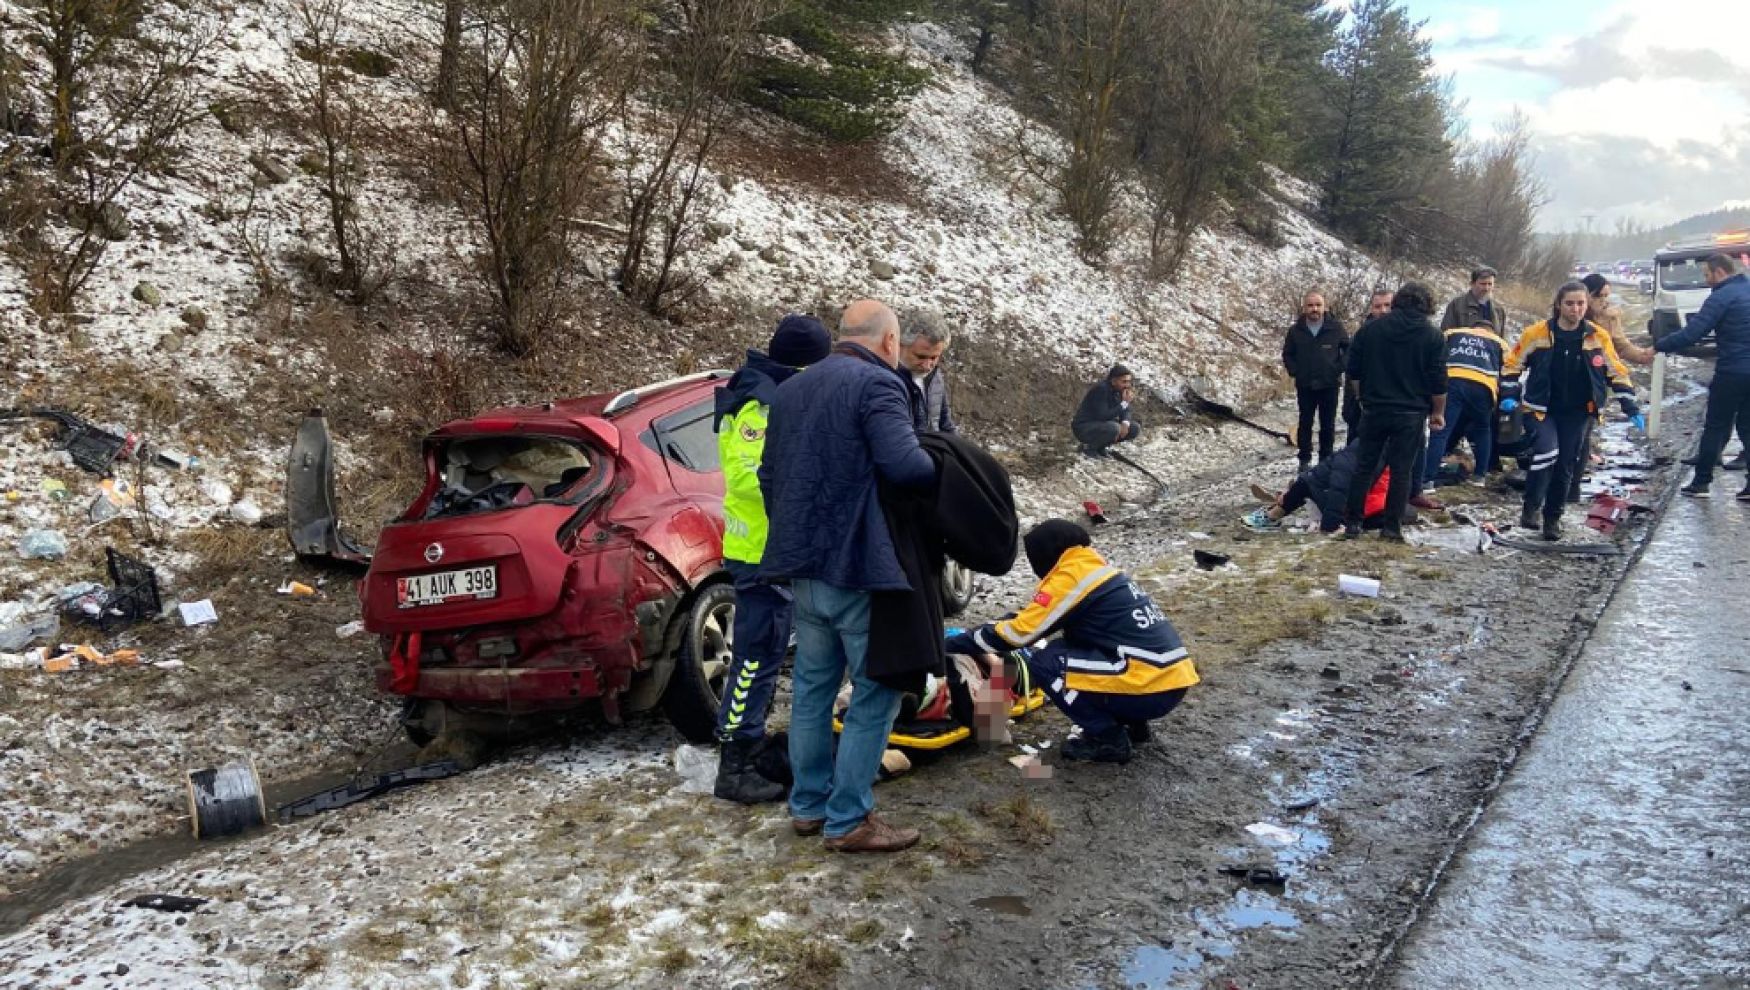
(225, 800)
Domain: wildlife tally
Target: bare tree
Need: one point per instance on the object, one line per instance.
(449, 52)
(700, 47)
(334, 119)
(1202, 69)
(534, 92)
(124, 90)
(1089, 49)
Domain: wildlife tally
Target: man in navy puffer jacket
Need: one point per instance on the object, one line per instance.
(835, 431)
(1726, 315)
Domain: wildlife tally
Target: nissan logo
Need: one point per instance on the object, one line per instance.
(434, 553)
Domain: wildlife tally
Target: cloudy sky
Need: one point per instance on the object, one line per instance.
(1641, 109)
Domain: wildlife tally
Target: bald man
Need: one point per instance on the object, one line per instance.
(836, 431)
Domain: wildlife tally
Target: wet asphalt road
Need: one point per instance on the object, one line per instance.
(1617, 853)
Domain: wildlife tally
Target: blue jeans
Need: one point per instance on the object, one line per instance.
(762, 634)
(1470, 415)
(832, 637)
(1095, 712)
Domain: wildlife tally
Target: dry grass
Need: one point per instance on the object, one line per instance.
(224, 553)
(1031, 824)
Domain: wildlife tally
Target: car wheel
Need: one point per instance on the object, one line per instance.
(702, 665)
(958, 585)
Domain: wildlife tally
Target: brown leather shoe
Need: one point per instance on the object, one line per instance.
(1427, 503)
(807, 826)
(874, 836)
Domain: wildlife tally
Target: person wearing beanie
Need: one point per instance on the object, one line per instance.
(1118, 663)
(1104, 417)
(762, 610)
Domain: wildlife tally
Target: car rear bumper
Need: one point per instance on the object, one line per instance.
(542, 687)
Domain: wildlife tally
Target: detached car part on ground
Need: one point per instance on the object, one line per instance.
(559, 557)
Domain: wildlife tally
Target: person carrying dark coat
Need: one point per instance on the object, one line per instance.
(1104, 417)
(1315, 350)
(969, 517)
(1119, 663)
(1398, 364)
(836, 433)
(762, 609)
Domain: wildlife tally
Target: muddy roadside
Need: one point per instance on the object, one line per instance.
(1354, 733)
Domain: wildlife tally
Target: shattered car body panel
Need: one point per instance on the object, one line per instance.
(312, 520)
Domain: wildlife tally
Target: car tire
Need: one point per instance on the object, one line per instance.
(702, 664)
(958, 586)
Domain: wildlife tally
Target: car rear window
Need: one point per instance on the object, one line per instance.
(480, 474)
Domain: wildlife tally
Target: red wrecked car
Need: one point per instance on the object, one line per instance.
(559, 556)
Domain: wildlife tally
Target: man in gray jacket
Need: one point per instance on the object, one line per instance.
(922, 342)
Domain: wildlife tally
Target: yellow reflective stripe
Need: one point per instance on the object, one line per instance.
(1138, 678)
(1029, 625)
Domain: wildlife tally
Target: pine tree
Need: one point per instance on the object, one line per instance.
(1384, 122)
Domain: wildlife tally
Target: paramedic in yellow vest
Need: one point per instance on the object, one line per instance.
(1473, 382)
(1570, 369)
(762, 610)
(1119, 663)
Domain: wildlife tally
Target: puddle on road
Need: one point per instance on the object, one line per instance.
(1004, 904)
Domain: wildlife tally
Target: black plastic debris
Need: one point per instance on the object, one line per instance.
(349, 794)
(93, 448)
(1209, 560)
(165, 902)
(1257, 876)
(132, 596)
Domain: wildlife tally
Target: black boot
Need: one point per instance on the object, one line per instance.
(1138, 732)
(738, 781)
(1528, 519)
(1552, 528)
(1111, 746)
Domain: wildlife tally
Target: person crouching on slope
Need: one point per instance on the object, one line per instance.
(762, 610)
(1119, 663)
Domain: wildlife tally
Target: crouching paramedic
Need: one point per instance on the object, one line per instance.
(1119, 663)
(762, 610)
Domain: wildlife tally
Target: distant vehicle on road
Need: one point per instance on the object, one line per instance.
(1678, 286)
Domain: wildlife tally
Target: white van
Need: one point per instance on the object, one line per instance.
(1679, 286)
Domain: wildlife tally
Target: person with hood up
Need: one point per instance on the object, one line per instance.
(1397, 364)
(1104, 417)
(762, 609)
(1314, 352)
(1119, 663)
(1570, 368)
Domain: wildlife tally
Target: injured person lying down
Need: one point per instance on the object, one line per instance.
(1117, 663)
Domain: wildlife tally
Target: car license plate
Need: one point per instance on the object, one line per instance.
(447, 586)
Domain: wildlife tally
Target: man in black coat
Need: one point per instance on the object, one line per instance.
(1104, 417)
(1314, 351)
(1398, 365)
